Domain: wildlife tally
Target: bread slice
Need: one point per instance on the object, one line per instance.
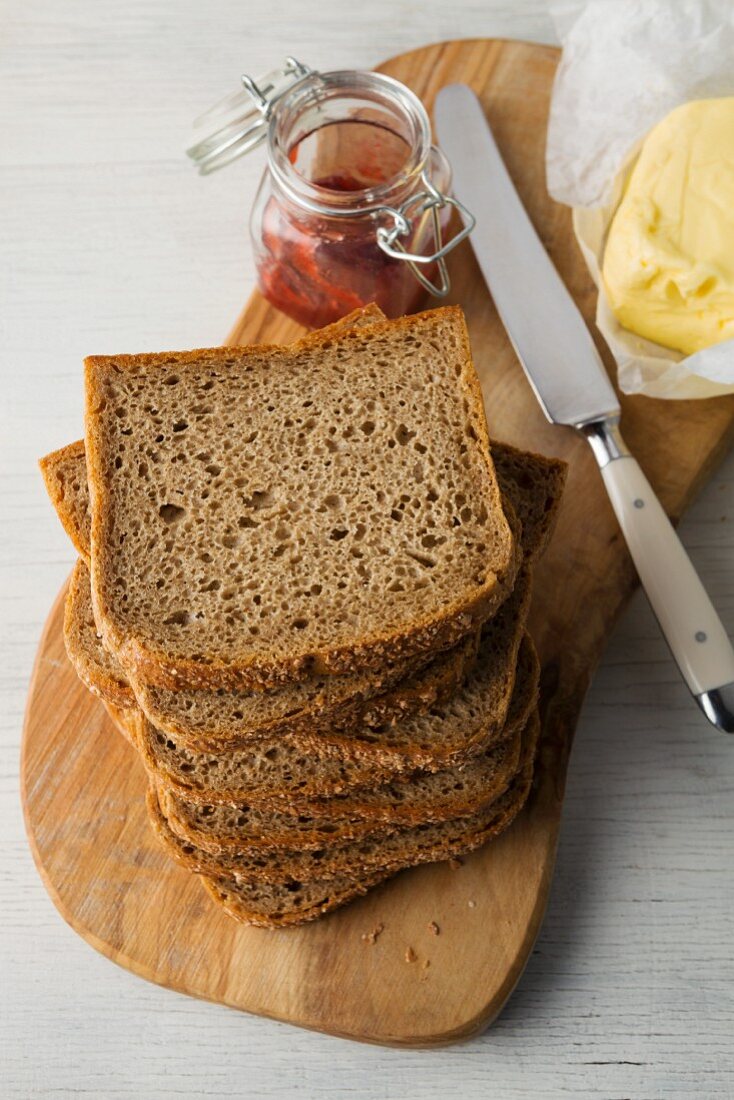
(224, 828)
(94, 664)
(247, 505)
(407, 686)
(406, 846)
(65, 471)
(287, 903)
(311, 711)
(291, 901)
(531, 484)
(284, 769)
(65, 477)
(323, 706)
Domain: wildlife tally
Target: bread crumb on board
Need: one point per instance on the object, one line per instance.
(472, 904)
(410, 955)
(371, 937)
(455, 863)
(433, 928)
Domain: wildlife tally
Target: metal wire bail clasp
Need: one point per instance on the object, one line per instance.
(429, 200)
(241, 119)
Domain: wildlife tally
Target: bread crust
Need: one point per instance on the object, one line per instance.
(273, 830)
(409, 690)
(353, 858)
(53, 467)
(223, 893)
(233, 896)
(105, 679)
(497, 754)
(327, 802)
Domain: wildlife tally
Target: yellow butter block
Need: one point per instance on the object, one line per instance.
(669, 258)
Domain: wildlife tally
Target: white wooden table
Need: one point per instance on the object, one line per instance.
(111, 243)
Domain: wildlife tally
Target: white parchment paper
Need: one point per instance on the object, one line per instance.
(626, 64)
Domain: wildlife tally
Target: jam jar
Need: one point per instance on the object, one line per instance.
(354, 204)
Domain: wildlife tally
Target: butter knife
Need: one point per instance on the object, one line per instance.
(568, 377)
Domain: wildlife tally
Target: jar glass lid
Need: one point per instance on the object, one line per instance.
(239, 122)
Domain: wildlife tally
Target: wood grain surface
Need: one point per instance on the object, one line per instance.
(582, 586)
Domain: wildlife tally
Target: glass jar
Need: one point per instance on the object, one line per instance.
(354, 203)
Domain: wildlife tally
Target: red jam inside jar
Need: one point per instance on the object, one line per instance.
(343, 154)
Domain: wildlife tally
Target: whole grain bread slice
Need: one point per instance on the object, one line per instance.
(326, 706)
(212, 720)
(223, 828)
(399, 689)
(285, 770)
(531, 486)
(287, 903)
(94, 664)
(291, 901)
(245, 503)
(65, 470)
(65, 477)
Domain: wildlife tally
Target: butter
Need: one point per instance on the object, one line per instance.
(668, 264)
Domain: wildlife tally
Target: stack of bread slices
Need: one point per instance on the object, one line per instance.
(303, 581)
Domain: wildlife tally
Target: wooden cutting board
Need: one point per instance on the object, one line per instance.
(83, 788)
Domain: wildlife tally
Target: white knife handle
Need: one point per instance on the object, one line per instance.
(687, 617)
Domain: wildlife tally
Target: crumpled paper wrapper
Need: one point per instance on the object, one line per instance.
(626, 64)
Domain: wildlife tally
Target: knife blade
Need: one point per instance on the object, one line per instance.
(566, 372)
(548, 332)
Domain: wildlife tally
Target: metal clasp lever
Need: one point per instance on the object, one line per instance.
(272, 89)
(429, 199)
